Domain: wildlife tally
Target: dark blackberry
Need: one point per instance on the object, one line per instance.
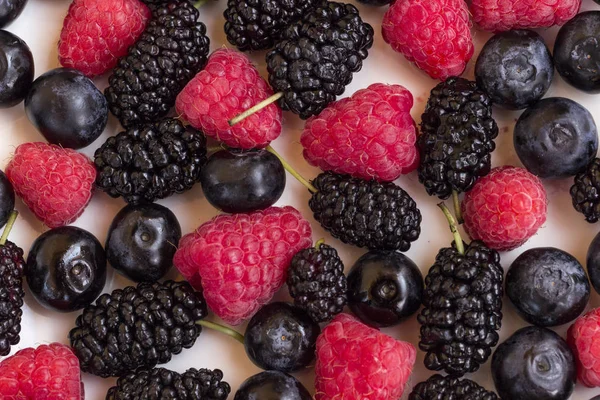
(256, 24)
(585, 192)
(457, 138)
(151, 162)
(173, 48)
(163, 384)
(377, 215)
(317, 283)
(439, 387)
(137, 327)
(316, 57)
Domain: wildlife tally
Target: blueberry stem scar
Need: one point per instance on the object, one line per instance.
(265, 103)
(460, 246)
(9, 225)
(292, 171)
(223, 329)
(457, 212)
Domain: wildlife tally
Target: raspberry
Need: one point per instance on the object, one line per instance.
(357, 362)
(46, 372)
(506, 15)
(96, 33)
(505, 208)
(370, 135)
(434, 34)
(584, 339)
(241, 260)
(55, 183)
(229, 85)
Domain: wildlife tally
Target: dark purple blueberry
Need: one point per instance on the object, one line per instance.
(10, 10)
(272, 385)
(593, 262)
(16, 69)
(7, 199)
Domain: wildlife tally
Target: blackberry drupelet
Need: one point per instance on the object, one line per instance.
(173, 48)
(585, 192)
(377, 215)
(163, 384)
(457, 138)
(137, 327)
(317, 283)
(257, 24)
(151, 162)
(440, 387)
(11, 295)
(316, 57)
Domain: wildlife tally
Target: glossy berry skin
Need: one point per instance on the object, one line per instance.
(242, 181)
(384, 288)
(142, 241)
(66, 269)
(10, 10)
(272, 385)
(16, 69)
(7, 199)
(534, 364)
(281, 337)
(577, 52)
(547, 286)
(515, 69)
(593, 263)
(67, 108)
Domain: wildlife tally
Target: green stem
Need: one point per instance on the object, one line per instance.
(319, 243)
(457, 210)
(200, 3)
(9, 225)
(223, 329)
(460, 246)
(253, 110)
(214, 149)
(292, 171)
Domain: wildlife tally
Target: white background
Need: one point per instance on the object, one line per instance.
(40, 26)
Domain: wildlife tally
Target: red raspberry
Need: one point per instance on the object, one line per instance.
(434, 34)
(370, 135)
(584, 339)
(505, 15)
(505, 208)
(357, 362)
(228, 86)
(55, 183)
(240, 260)
(47, 372)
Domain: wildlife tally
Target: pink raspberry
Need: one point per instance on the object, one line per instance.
(96, 33)
(505, 15)
(434, 34)
(241, 260)
(370, 135)
(505, 208)
(46, 372)
(584, 339)
(228, 86)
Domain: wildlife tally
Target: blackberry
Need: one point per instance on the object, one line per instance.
(173, 48)
(457, 138)
(439, 387)
(151, 162)
(137, 327)
(256, 24)
(585, 192)
(317, 282)
(11, 295)
(316, 57)
(163, 384)
(377, 215)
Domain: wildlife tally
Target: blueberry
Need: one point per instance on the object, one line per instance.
(577, 52)
(534, 364)
(281, 337)
(242, 181)
(556, 138)
(16, 69)
(384, 288)
(547, 286)
(593, 262)
(66, 269)
(7, 199)
(272, 385)
(515, 68)
(142, 241)
(66, 107)
(10, 10)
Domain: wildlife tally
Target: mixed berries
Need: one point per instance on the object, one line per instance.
(190, 116)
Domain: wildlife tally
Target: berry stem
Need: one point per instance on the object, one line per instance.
(223, 329)
(457, 210)
(200, 3)
(460, 246)
(265, 103)
(292, 171)
(9, 225)
(319, 243)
